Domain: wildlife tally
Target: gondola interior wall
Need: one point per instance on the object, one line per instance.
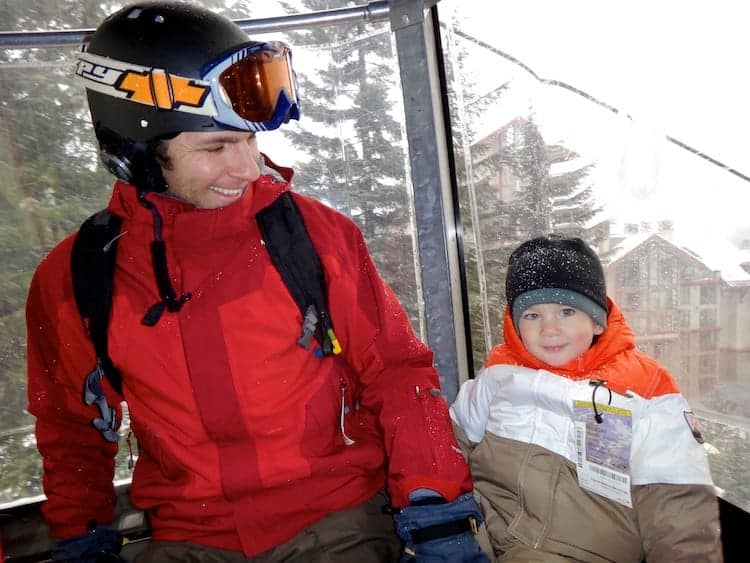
(450, 132)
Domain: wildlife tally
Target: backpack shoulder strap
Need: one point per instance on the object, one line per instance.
(292, 252)
(93, 271)
(288, 243)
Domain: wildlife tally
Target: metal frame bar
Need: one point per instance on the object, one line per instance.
(433, 197)
(376, 11)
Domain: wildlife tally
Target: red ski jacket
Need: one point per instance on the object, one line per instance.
(244, 437)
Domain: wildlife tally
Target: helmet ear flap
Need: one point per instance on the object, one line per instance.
(118, 164)
(118, 154)
(131, 161)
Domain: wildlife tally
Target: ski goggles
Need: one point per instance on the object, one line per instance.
(252, 87)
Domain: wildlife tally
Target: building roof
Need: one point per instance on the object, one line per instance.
(714, 253)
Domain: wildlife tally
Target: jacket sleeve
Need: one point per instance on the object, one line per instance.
(78, 464)
(471, 409)
(678, 523)
(396, 378)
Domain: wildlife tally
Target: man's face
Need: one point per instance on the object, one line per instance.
(556, 334)
(211, 169)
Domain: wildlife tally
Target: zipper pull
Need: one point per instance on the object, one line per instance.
(347, 440)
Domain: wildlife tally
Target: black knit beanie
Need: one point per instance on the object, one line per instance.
(554, 269)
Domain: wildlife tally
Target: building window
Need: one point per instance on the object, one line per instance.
(689, 273)
(684, 316)
(633, 300)
(708, 295)
(666, 270)
(685, 295)
(658, 351)
(629, 273)
(708, 318)
(672, 298)
(708, 363)
(708, 341)
(667, 322)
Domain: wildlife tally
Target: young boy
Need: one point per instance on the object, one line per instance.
(581, 447)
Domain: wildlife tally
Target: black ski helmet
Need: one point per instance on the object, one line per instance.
(177, 37)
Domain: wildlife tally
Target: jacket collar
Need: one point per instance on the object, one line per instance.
(596, 363)
(261, 193)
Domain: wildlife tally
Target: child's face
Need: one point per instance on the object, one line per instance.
(556, 334)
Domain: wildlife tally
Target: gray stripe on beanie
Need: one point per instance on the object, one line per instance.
(561, 297)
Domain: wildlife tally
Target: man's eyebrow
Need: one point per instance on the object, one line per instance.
(225, 139)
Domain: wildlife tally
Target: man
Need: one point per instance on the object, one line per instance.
(251, 447)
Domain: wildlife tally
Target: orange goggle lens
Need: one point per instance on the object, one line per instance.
(253, 84)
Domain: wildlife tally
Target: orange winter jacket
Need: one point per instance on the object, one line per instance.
(613, 359)
(241, 432)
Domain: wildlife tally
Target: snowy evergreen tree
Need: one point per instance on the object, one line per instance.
(509, 188)
(354, 140)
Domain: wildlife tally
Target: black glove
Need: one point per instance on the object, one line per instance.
(100, 545)
(444, 531)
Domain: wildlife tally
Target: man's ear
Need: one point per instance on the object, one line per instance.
(598, 329)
